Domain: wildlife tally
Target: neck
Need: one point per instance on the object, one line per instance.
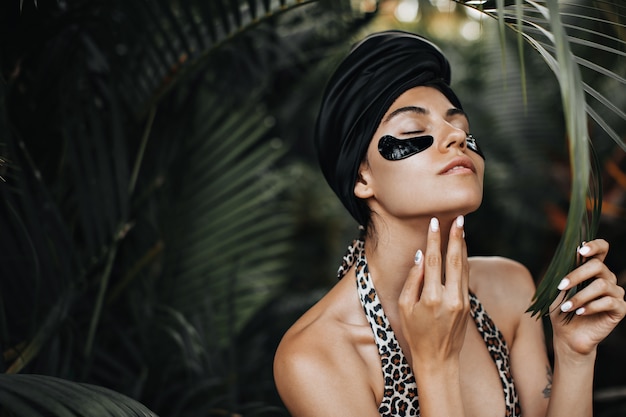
(391, 252)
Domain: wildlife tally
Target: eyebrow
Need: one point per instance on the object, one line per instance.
(420, 110)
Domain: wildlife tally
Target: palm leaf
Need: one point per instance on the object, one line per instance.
(142, 220)
(36, 274)
(41, 395)
(183, 36)
(540, 23)
(224, 202)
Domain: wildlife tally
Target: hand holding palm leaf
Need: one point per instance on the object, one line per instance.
(595, 30)
(598, 307)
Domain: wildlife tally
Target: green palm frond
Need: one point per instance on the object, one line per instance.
(41, 395)
(181, 36)
(570, 36)
(140, 208)
(143, 218)
(225, 229)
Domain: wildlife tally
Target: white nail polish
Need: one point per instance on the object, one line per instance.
(434, 224)
(460, 221)
(566, 306)
(563, 284)
(580, 311)
(418, 257)
(584, 250)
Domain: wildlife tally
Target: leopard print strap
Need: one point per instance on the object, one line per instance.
(350, 256)
(400, 396)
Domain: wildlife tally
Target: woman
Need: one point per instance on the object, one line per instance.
(415, 327)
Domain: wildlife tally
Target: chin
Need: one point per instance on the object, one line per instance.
(469, 199)
(471, 209)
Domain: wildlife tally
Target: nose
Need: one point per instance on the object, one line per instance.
(452, 137)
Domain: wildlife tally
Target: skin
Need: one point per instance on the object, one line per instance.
(328, 364)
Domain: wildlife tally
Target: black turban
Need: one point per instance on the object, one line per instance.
(375, 73)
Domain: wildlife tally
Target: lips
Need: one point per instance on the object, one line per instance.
(458, 164)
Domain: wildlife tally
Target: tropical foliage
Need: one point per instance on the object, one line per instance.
(144, 217)
(161, 220)
(542, 26)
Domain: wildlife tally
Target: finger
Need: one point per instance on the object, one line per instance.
(597, 289)
(414, 281)
(555, 307)
(456, 257)
(432, 261)
(597, 248)
(603, 305)
(593, 268)
(465, 281)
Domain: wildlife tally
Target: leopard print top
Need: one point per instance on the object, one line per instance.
(400, 397)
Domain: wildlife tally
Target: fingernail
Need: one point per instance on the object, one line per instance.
(434, 224)
(460, 221)
(580, 311)
(418, 257)
(566, 306)
(584, 250)
(563, 284)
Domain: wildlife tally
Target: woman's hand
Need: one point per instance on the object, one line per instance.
(434, 305)
(598, 307)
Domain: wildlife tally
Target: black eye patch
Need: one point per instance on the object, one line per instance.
(394, 149)
(471, 144)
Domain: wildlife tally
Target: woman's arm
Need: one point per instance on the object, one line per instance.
(598, 308)
(529, 358)
(569, 389)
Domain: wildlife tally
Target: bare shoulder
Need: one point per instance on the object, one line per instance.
(501, 274)
(505, 288)
(320, 366)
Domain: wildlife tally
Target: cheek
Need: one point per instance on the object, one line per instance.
(399, 170)
(400, 180)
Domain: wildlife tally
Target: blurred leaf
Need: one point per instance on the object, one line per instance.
(143, 216)
(41, 395)
(226, 233)
(183, 37)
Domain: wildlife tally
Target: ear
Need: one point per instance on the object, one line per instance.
(363, 188)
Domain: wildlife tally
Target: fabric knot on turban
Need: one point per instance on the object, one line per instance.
(375, 73)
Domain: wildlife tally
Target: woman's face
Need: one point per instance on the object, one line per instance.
(446, 178)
